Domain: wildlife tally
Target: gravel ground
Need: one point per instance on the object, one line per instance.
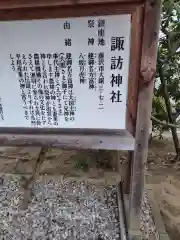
(59, 210)
(62, 209)
(147, 227)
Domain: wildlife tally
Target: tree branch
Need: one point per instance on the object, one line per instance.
(166, 97)
(165, 123)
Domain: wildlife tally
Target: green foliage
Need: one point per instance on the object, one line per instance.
(81, 162)
(168, 64)
(159, 112)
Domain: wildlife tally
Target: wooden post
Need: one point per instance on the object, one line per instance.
(137, 19)
(152, 13)
(127, 173)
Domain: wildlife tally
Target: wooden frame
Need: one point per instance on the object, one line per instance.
(12, 4)
(115, 139)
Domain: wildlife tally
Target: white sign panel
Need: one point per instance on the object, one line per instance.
(65, 73)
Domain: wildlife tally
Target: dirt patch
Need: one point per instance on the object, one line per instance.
(167, 194)
(162, 174)
(81, 164)
(165, 179)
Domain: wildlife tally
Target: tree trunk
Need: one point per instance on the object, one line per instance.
(169, 112)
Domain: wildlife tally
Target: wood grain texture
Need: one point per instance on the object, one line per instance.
(68, 141)
(134, 74)
(12, 4)
(65, 11)
(148, 62)
(135, 58)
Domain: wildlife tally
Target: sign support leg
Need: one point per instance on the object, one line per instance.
(146, 84)
(127, 175)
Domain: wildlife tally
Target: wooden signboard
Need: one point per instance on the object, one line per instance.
(69, 74)
(80, 74)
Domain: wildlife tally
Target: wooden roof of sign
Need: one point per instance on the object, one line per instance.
(4, 4)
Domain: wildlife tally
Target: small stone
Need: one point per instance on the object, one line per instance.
(1, 181)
